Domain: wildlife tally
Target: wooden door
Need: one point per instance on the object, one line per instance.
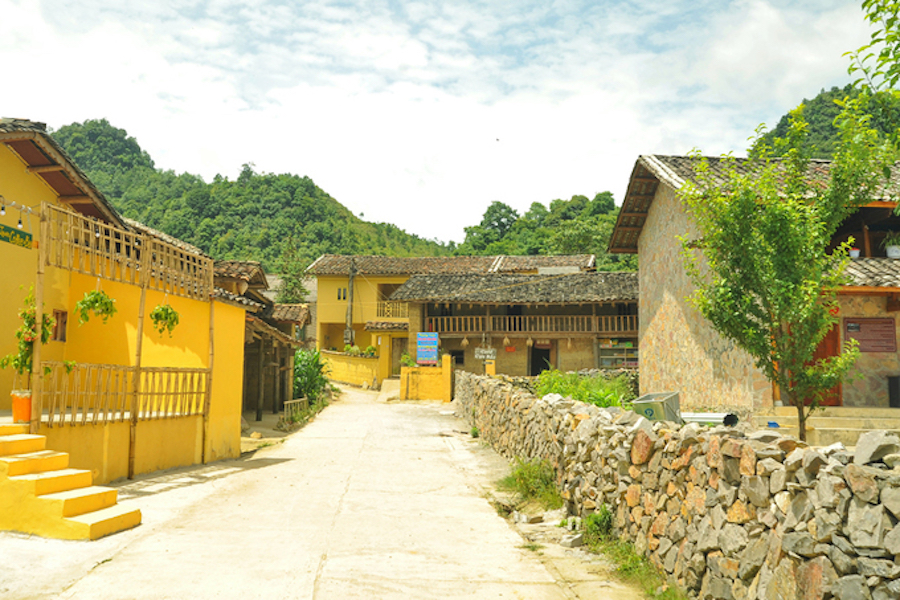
(831, 346)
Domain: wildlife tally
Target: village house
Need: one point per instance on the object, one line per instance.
(534, 311)
(113, 397)
(680, 350)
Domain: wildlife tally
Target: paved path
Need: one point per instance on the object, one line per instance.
(372, 500)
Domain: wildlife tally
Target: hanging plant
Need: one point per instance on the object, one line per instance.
(97, 302)
(164, 318)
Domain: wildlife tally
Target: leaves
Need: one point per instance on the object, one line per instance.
(164, 318)
(97, 302)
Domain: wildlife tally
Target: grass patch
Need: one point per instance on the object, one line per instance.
(598, 390)
(631, 567)
(533, 546)
(533, 480)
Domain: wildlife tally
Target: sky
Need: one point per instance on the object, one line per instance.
(422, 113)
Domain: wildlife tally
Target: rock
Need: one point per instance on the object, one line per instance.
(800, 511)
(827, 489)
(794, 460)
(892, 460)
(256, 435)
(633, 495)
(778, 480)
(732, 539)
(765, 436)
(766, 466)
(757, 490)
(843, 563)
(753, 557)
(865, 524)
(890, 497)
(641, 447)
(835, 447)
(875, 445)
(851, 587)
(861, 483)
(886, 569)
(892, 541)
(731, 470)
(748, 460)
(827, 524)
(815, 578)
(813, 461)
(739, 513)
(783, 501)
(572, 541)
(800, 543)
(784, 582)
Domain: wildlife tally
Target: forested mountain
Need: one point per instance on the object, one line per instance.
(820, 112)
(575, 226)
(250, 218)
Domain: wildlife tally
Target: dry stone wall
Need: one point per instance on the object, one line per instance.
(726, 513)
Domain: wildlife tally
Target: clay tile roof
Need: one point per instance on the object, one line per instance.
(247, 270)
(333, 264)
(502, 288)
(650, 170)
(874, 272)
(288, 313)
(387, 326)
(31, 141)
(226, 296)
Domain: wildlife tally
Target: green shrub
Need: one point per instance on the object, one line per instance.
(370, 350)
(598, 526)
(533, 480)
(310, 375)
(407, 361)
(597, 390)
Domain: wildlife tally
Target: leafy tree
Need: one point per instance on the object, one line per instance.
(763, 274)
(293, 270)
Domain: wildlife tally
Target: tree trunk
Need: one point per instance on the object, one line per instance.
(801, 416)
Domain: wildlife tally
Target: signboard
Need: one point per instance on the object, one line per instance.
(485, 353)
(873, 335)
(427, 348)
(16, 237)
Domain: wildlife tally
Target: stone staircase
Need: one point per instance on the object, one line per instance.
(832, 423)
(40, 495)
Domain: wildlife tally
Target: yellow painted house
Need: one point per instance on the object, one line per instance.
(136, 400)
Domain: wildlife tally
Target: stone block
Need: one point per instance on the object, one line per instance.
(861, 482)
(874, 445)
(815, 578)
(865, 524)
(851, 587)
(641, 447)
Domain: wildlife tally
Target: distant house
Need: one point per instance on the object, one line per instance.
(272, 333)
(308, 331)
(383, 316)
(680, 351)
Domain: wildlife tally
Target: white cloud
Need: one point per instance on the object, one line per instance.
(396, 109)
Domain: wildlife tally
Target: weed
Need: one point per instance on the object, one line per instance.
(564, 523)
(310, 375)
(533, 480)
(630, 566)
(598, 390)
(598, 526)
(474, 432)
(533, 546)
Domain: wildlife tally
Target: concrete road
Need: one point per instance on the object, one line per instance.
(371, 500)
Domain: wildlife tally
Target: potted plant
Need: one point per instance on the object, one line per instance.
(854, 252)
(21, 359)
(164, 317)
(891, 244)
(97, 302)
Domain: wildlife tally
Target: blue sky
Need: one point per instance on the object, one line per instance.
(422, 113)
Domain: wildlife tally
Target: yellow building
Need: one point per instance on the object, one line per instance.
(136, 400)
(357, 305)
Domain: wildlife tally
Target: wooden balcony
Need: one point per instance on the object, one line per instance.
(576, 325)
(393, 310)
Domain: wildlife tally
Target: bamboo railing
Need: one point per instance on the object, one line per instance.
(90, 394)
(393, 310)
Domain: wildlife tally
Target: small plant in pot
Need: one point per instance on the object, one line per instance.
(891, 244)
(21, 359)
(97, 302)
(164, 318)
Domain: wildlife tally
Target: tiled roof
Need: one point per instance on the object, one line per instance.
(387, 326)
(247, 270)
(650, 170)
(288, 313)
(520, 289)
(256, 328)
(141, 228)
(874, 272)
(333, 264)
(226, 296)
(31, 141)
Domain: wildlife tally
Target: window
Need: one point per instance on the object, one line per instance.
(342, 293)
(459, 357)
(59, 329)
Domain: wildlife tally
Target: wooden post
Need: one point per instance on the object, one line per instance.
(146, 253)
(209, 376)
(37, 375)
(348, 330)
(289, 374)
(276, 380)
(867, 242)
(261, 366)
(595, 339)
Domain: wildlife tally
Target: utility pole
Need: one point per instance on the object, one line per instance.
(348, 330)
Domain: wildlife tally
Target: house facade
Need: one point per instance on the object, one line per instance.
(681, 351)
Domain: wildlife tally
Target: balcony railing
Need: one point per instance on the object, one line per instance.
(537, 324)
(89, 394)
(393, 310)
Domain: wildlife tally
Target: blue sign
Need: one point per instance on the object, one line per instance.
(427, 348)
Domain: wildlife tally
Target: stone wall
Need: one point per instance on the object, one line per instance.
(867, 384)
(679, 350)
(725, 513)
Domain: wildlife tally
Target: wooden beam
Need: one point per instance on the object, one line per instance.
(893, 303)
(633, 214)
(880, 204)
(866, 290)
(867, 241)
(624, 250)
(45, 169)
(76, 199)
(629, 228)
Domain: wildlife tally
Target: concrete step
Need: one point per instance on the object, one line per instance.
(83, 500)
(110, 520)
(12, 428)
(21, 443)
(831, 422)
(33, 462)
(61, 480)
(866, 412)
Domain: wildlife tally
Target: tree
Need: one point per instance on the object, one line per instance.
(293, 271)
(763, 274)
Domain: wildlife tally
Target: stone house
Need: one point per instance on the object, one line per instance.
(680, 351)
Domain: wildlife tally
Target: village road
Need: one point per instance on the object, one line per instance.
(371, 500)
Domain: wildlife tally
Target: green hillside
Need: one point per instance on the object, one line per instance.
(250, 218)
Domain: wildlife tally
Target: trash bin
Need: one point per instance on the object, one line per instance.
(660, 406)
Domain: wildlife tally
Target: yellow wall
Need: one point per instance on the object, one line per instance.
(224, 434)
(355, 370)
(331, 313)
(428, 383)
